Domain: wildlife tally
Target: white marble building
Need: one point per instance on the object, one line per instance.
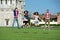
(6, 11)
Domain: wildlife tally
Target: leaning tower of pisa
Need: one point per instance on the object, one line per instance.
(6, 11)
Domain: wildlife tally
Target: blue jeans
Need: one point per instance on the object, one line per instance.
(15, 19)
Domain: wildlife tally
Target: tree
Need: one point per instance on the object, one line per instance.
(58, 13)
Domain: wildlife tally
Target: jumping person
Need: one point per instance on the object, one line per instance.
(25, 19)
(47, 18)
(15, 17)
(36, 18)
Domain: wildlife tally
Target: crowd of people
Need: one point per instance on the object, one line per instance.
(35, 16)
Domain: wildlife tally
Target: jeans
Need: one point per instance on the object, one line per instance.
(15, 19)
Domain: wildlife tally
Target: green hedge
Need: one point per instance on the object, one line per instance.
(46, 24)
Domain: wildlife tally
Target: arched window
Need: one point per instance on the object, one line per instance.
(1, 1)
(10, 1)
(7, 21)
(6, 1)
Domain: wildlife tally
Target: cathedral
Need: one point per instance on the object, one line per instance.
(6, 11)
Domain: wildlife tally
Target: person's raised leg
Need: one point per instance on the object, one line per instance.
(23, 25)
(28, 26)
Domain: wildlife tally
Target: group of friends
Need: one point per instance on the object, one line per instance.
(35, 16)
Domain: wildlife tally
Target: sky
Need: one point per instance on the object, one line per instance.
(42, 5)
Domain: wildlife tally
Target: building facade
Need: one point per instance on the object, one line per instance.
(58, 19)
(6, 11)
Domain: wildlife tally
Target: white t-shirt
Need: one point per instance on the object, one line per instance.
(24, 19)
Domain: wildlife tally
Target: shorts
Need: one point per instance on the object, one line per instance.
(25, 22)
(47, 20)
(36, 22)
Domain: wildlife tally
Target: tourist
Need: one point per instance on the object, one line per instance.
(25, 19)
(15, 17)
(47, 19)
(36, 18)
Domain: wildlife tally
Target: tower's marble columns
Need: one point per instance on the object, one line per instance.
(3, 2)
(8, 2)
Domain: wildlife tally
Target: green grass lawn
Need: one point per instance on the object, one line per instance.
(33, 33)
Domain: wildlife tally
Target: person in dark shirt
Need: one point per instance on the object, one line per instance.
(25, 19)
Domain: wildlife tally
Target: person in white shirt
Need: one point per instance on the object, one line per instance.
(36, 18)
